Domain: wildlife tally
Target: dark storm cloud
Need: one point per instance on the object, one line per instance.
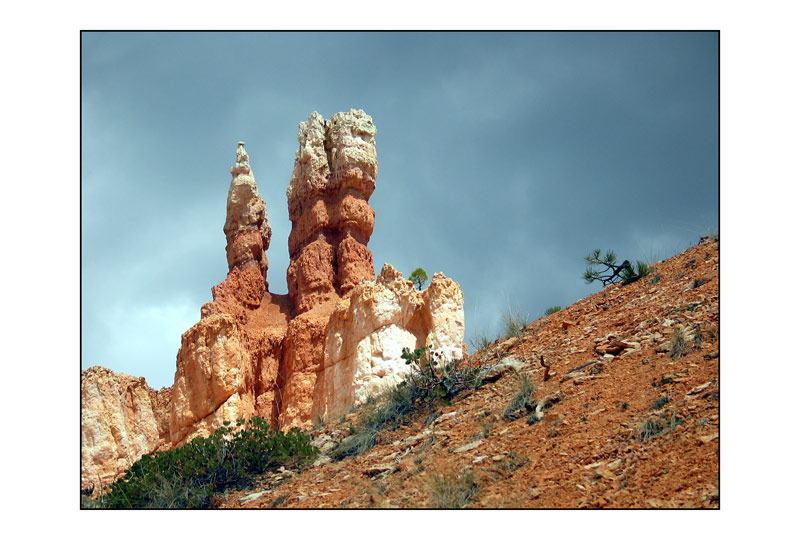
(503, 160)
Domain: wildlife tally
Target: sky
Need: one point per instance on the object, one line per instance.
(503, 159)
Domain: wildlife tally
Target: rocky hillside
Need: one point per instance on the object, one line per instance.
(627, 394)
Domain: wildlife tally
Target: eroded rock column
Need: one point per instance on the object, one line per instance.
(333, 179)
(228, 363)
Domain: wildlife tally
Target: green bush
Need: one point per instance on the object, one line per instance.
(418, 277)
(551, 310)
(434, 379)
(430, 381)
(189, 476)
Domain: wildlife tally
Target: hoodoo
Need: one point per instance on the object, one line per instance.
(335, 339)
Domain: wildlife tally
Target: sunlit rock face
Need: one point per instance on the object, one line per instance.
(368, 331)
(213, 375)
(121, 419)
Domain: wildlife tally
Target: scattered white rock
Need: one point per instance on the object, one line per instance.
(252, 496)
(469, 446)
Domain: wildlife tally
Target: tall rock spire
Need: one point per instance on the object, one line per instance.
(334, 176)
(246, 228)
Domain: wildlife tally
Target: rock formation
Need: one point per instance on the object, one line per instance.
(247, 229)
(368, 331)
(332, 341)
(121, 419)
(333, 179)
(228, 363)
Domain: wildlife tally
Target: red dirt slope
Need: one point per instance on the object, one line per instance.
(591, 448)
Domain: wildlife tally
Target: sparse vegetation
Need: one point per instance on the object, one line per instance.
(431, 381)
(512, 462)
(189, 476)
(654, 426)
(660, 402)
(677, 344)
(514, 323)
(551, 310)
(479, 342)
(713, 333)
(522, 399)
(419, 278)
(451, 491)
(656, 279)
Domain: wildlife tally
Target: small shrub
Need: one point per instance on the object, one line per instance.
(431, 381)
(449, 491)
(697, 335)
(655, 426)
(512, 462)
(698, 282)
(650, 428)
(551, 310)
(356, 444)
(514, 323)
(625, 406)
(480, 342)
(713, 333)
(656, 279)
(522, 398)
(677, 345)
(660, 402)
